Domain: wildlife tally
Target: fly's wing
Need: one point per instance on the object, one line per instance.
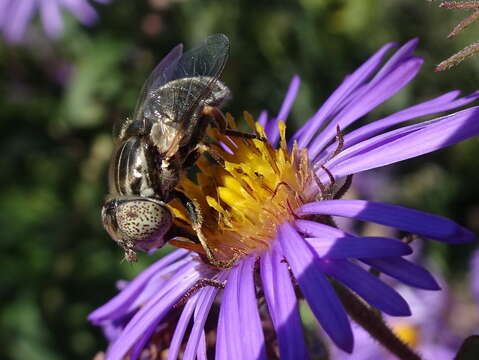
(207, 60)
(161, 74)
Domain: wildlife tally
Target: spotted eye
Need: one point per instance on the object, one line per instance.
(143, 220)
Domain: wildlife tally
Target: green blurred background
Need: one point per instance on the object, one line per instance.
(60, 98)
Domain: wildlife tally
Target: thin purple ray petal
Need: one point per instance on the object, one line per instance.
(404, 271)
(336, 101)
(83, 11)
(240, 335)
(252, 331)
(20, 13)
(357, 247)
(283, 306)
(228, 326)
(123, 300)
(51, 18)
(402, 55)
(369, 98)
(4, 12)
(272, 130)
(180, 328)
(398, 57)
(201, 353)
(153, 312)
(262, 118)
(389, 148)
(316, 288)
(442, 103)
(205, 300)
(366, 285)
(410, 220)
(138, 348)
(316, 229)
(156, 282)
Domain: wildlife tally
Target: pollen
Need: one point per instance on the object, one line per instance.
(245, 198)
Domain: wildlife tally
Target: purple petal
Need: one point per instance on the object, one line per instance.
(272, 130)
(138, 348)
(357, 98)
(368, 286)
(263, 118)
(390, 148)
(83, 11)
(180, 328)
(404, 271)
(205, 300)
(4, 11)
(157, 281)
(316, 288)
(358, 247)
(201, 353)
(413, 221)
(240, 335)
(153, 312)
(131, 291)
(342, 93)
(316, 229)
(442, 103)
(15, 24)
(51, 18)
(370, 97)
(399, 56)
(282, 306)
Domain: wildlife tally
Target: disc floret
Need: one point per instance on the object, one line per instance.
(243, 200)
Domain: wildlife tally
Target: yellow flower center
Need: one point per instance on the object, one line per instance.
(243, 201)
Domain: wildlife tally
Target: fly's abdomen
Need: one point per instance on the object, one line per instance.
(129, 169)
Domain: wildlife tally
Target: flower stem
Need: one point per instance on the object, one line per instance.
(373, 323)
(457, 58)
(463, 24)
(460, 5)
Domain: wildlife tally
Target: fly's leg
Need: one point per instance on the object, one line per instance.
(130, 254)
(199, 150)
(328, 190)
(205, 148)
(221, 123)
(197, 286)
(194, 213)
(344, 188)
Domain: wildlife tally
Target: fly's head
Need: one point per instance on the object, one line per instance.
(136, 223)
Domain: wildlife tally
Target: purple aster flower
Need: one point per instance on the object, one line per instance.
(269, 207)
(16, 14)
(427, 330)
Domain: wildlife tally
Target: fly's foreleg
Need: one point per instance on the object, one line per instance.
(194, 213)
(220, 122)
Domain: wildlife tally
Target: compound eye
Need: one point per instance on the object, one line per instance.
(143, 220)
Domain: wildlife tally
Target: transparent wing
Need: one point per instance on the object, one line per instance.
(161, 74)
(208, 60)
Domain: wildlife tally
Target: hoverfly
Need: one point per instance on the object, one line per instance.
(164, 137)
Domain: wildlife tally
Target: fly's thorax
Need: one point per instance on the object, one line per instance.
(166, 136)
(131, 172)
(138, 222)
(175, 110)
